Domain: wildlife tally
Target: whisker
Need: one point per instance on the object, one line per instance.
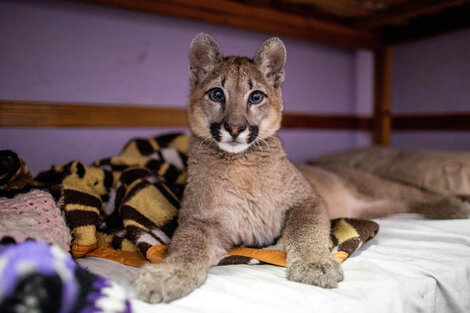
(199, 147)
(256, 141)
(264, 141)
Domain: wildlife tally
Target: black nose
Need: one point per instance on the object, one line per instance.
(233, 129)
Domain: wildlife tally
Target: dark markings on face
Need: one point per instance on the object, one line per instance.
(215, 131)
(253, 133)
(223, 81)
(250, 83)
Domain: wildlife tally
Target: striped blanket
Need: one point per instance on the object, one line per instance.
(125, 208)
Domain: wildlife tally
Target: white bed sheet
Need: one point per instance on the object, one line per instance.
(413, 265)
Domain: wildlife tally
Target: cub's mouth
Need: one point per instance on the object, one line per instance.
(234, 138)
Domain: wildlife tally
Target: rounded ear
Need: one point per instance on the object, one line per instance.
(204, 54)
(271, 58)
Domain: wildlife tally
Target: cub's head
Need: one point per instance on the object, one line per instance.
(235, 101)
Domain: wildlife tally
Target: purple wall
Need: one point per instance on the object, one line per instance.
(74, 52)
(432, 75)
(363, 92)
(84, 53)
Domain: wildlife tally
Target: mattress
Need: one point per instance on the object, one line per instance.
(412, 265)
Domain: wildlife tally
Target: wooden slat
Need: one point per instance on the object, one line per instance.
(35, 114)
(382, 94)
(436, 121)
(38, 114)
(449, 20)
(400, 14)
(264, 19)
(296, 120)
(29, 114)
(344, 8)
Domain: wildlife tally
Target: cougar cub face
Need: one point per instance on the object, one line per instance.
(235, 101)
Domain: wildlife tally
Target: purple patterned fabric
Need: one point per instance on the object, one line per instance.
(41, 277)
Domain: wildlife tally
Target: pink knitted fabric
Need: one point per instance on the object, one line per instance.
(34, 215)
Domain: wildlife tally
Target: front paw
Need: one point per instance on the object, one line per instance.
(326, 272)
(166, 282)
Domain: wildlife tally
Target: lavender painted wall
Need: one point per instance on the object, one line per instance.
(70, 52)
(432, 75)
(85, 53)
(363, 92)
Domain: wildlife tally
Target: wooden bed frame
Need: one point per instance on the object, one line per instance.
(376, 31)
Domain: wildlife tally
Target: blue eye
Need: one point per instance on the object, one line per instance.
(217, 95)
(256, 97)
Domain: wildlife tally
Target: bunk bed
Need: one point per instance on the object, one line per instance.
(414, 265)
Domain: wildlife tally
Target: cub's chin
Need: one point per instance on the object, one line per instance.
(233, 147)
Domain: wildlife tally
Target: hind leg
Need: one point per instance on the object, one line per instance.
(375, 197)
(373, 208)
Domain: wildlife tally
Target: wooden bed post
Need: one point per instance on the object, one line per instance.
(382, 95)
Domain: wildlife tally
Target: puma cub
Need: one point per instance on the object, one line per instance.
(242, 190)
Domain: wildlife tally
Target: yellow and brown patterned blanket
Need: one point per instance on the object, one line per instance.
(125, 208)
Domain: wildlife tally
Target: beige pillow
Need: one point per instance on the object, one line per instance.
(443, 172)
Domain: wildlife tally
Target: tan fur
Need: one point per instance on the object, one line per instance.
(248, 198)
(352, 193)
(242, 190)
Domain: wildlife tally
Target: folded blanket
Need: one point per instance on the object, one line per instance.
(27, 212)
(35, 215)
(125, 207)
